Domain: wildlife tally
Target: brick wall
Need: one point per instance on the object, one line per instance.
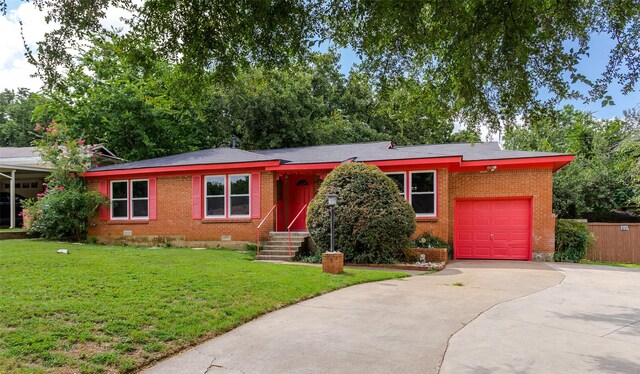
(438, 226)
(531, 182)
(174, 209)
(174, 218)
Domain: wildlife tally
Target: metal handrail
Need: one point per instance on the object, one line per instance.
(291, 224)
(260, 225)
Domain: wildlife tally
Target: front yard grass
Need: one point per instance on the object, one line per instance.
(619, 264)
(108, 309)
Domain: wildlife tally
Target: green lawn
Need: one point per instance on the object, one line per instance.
(11, 230)
(619, 264)
(106, 308)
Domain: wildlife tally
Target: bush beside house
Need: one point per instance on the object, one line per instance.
(63, 210)
(573, 239)
(373, 223)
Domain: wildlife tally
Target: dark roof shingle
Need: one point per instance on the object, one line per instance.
(204, 157)
(374, 151)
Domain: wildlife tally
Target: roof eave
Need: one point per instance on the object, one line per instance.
(182, 169)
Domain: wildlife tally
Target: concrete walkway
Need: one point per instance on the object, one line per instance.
(395, 326)
(590, 323)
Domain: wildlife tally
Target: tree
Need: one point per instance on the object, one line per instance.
(368, 200)
(141, 109)
(63, 209)
(600, 178)
(17, 117)
(136, 109)
(488, 60)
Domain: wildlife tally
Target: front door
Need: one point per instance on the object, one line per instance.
(300, 193)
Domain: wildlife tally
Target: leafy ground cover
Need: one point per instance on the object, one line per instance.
(108, 309)
(619, 264)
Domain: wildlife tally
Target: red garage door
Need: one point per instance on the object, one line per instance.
(492, 229)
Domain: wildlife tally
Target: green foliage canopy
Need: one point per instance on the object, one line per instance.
(487, 60)
(604, 174)
(143, 110)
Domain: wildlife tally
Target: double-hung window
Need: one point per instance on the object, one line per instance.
(140, 199)
(239, 195)
(215, 199)
(398, 178)
(227, 196)
(423, 192)
(130, 199)
(119, 200)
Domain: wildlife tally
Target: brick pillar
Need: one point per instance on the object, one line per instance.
(332, 262)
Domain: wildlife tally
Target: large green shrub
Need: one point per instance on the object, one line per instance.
(573, 239)
(373, 223)
(63, 213)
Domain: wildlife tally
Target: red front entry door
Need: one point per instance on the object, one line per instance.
(300, 193)
(492, 229)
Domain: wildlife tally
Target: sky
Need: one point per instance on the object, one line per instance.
(16, 72)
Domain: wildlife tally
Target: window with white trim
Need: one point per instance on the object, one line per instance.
(215, 196)
(119, 200)
(398, 178)
(140, 199)
(239, 195)
(423, 192)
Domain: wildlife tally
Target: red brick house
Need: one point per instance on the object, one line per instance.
(490, 203)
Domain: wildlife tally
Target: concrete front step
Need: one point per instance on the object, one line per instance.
(273, 258)
(284, 239)
(274, 234)
(271, 245)
(283, 244)
(277, 248)
(281, 252)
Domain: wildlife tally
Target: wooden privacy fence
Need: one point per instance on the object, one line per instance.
(615, 242)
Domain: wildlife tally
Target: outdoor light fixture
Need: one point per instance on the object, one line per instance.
(491, 168)
(332, 201)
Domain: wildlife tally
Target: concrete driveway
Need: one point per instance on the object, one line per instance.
(395, 326)
(588, 323)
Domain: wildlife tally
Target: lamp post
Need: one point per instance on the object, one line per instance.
(332, 261)
(332, 201)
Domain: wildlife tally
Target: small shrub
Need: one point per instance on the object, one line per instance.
(373, 223)
(573, 239)
(426, 240)
(314, 258)
(252, 247)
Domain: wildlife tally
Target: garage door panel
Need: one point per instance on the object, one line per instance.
(501, 251)
(493, 229)
(502, 236)
(482, 250)
(465, 250)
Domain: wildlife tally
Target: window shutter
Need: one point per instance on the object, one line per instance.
(255, 195)
(152, 200)
(196, 197)
(103, 189)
